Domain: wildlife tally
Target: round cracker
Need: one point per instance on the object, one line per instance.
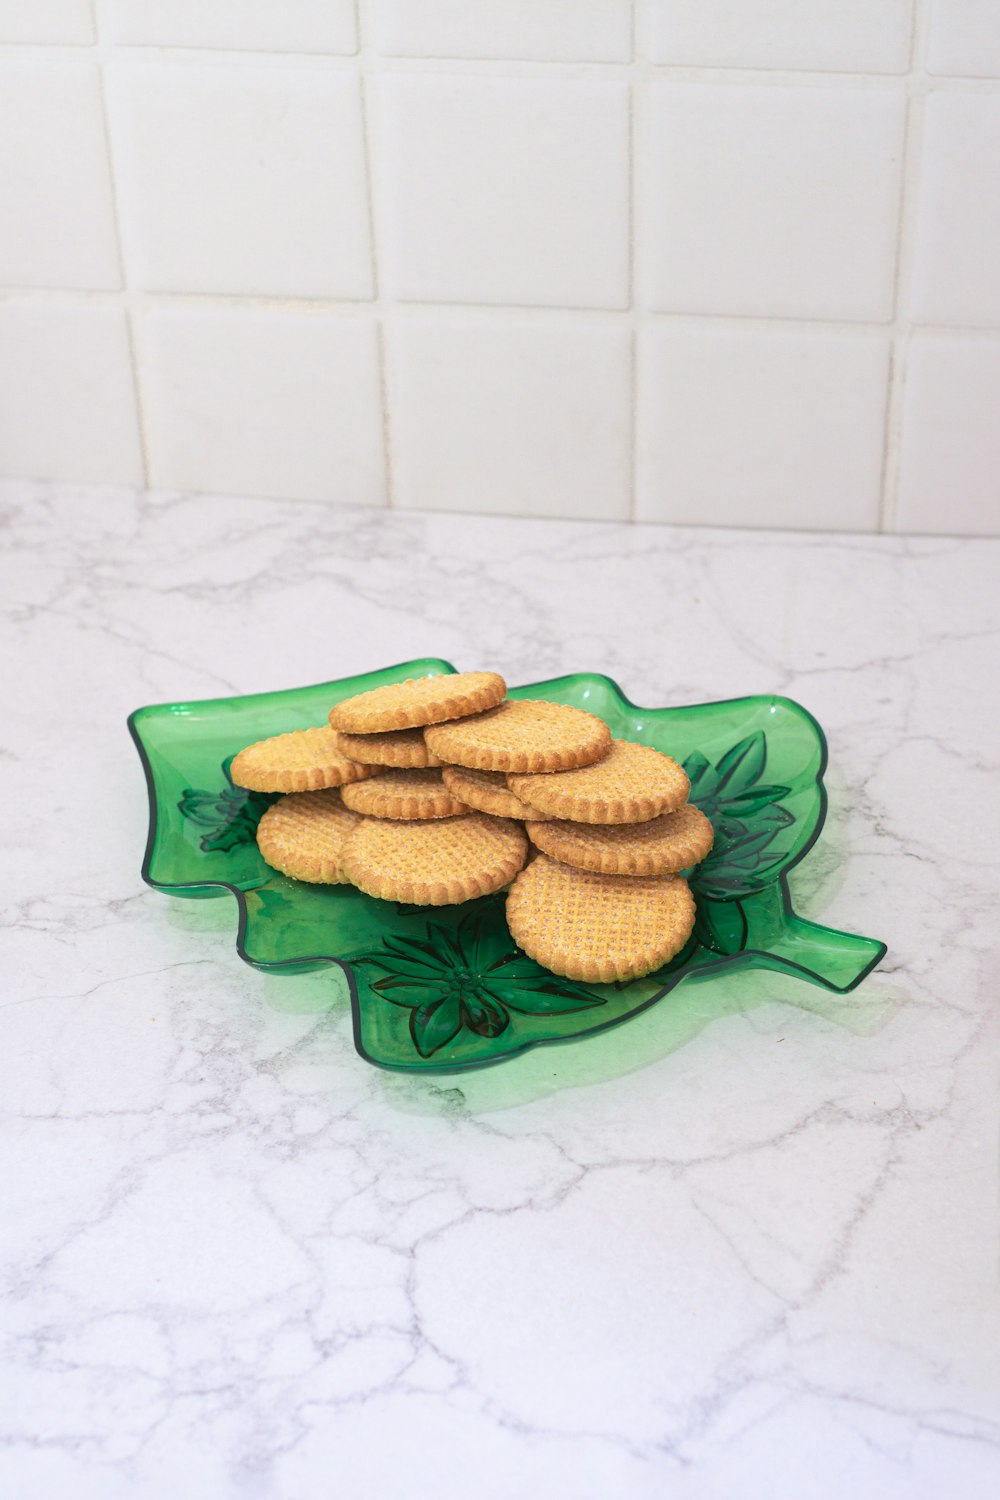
(410, 795)
(632, 784)
(304, 760)
(303, 835)
(486, 791)
(418, 701)
(673, 841)
(522, 734)
(402, 748)
(435, 863)
(598, 928)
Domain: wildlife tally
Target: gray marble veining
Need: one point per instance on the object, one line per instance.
(744, 1246)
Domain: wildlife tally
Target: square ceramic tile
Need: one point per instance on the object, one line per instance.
(768, 428)
(770, 201)
(504, 190)
(543, 30)
(527, 417)
(67, 405)
(950, 479)
(61, 21)
(240, 177)
(55, 185)
(263, 403)
(837, 35)
(235, 25)
(964, 38)
(956, 276)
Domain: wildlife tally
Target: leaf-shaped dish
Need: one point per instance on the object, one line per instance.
(445, 988)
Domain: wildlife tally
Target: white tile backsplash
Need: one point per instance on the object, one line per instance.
(241, 178)
(67, 408)
(964, 38)
(683, 259)
(504, 190)
(951, 437)
(751, 428)
(516, 415)
(248, 26)
(63, 21)
(836, 35)
(770, 201)
(544, 30)
(263, 403)
(57, 226)
(956, 275)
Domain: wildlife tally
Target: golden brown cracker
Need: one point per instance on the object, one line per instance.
(487, 791)
(304, 760)
(435, 863)
(522, 734)
(662, 846)
(418, 701)
(404, 749)
(598, 928)
(303, 833)
(412, 794)
(632, 784)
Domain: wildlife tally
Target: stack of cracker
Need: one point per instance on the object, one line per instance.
(440, 789)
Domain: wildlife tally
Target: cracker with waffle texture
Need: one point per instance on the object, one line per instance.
(662, 846)
(304, 760)
(522, 734)
(435, 863)
(303, 834)
(632, 784)
(486, 791)
(418, 701)
(403, 749)
(410, 795)
(598, 928)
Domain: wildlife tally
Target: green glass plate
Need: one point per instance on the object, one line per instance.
(445, 988)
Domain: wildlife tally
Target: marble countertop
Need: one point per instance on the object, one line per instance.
(752, 1256)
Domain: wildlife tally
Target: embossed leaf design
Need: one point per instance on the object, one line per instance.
(721, 926)
(748, 818)
(734, 784)
(230, 816)
(469, 978)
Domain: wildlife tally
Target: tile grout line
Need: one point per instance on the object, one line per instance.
(888, 417)
(365, 73)
(905, 251)
(526, 67)
(145, 299)
(124, 298)
(633, 443)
